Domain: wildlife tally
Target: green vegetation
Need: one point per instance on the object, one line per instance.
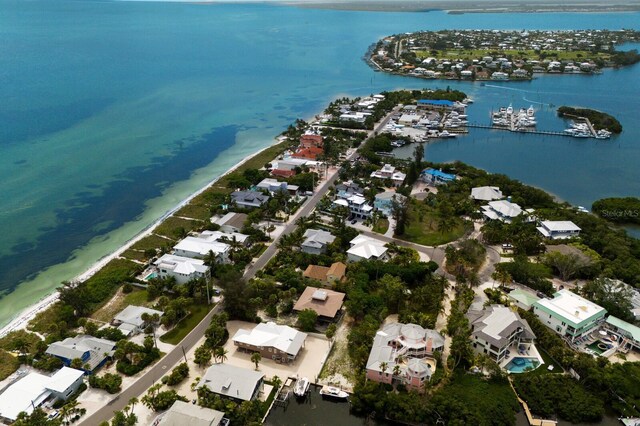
(618, 210)
(430, 227)
(381, 226)
(196, 313)
(307, 320)
(133, 358)
(464, 261)
(8, 364)
(177, 375)
(158, 400)
(599, 120)
(176, 227)
(248, 413)
(531, 274)
(151, 242)
(112, 383)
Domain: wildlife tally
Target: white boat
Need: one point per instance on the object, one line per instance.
(531, 111)
(445, 134)
(509, 110)
(302, 387)
(333, 392)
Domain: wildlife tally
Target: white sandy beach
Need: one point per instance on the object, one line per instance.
(23, 318)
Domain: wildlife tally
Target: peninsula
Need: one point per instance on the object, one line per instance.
(501, 55)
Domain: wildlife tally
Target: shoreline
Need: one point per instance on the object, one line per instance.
(21, 319)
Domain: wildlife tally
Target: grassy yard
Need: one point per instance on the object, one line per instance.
(135, 255)
(381, 226)
(7, 341)
(195, 211)
(151, 242)
(339, 362)
(547, 362)
(8, 364)
(118, 303)
(173, 226)
(177, 333)
(423, 227)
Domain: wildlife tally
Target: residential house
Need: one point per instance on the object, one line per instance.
(273, 186)
(403, 354)
(497, 328)
(437, 177)
(235, 383)
(283, 173)
(309, 140)
(384, 202)
(326, 303)
(183, 269)
(129, 320)
(502, 210)
(568, 314)
(326, 275)
(435, 104)
(185, 414)
(367, 248)
(92, 351)
(249, 199)
(389, 172)
(311, 153)
(316, 241)
(348, 189)
(232, 222)
(357, 205)
(34, 389)
(277, 342)
(199, 247)
(226, 237)
(523, 299)
(628, 334)
(289, 164)
(559, 229)
(486, 193)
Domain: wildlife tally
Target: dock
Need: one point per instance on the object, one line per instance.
(524, 131)
(532, 420)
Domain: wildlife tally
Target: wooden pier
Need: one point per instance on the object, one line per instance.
(523, 131)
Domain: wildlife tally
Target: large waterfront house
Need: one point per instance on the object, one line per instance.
(92, 351)
(357, 205)
(232, 222)
(326, 303)
(183, 269)
(235, 383)
(280, 343)
(226, 237)
(523, 299)
(129, 320)
(316, 241)
(384, 201)
(35, 389)
(248, 199)
(403, 354)
(199, 247)
(486, 193)
(273, 186)
(558, 229)
(496, 329)
(502, 210)
(326, 275)
(185, 414)
(568, 314)
(389, 172)
(367, 248)
(628, 334)
(309, 140)
(437, 177)
(347, 189)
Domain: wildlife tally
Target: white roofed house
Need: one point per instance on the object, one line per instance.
(496, 329)
(559, 229)
(236, 383)
(130, 321)
(199, 247)
(183, 269)
(277, 342)
(232, 222)
(389, 172)
(502, 210)
(357, 205)
(92, 351)
(367, 248)
(226, 237)
(185, 414)
(486, 193)
(316, 241)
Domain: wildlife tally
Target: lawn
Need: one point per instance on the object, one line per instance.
(195, 211)
(177, 333)
(422, 227)
(151, 242)
(8, 364)
(135, 255)
(118, 303)
(381, 226)
(547, 362)
(175, 227)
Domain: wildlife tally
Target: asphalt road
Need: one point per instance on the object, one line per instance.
(154, 373)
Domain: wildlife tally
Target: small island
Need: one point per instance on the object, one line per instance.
(501, 55)
(601, 121)
(623, 210)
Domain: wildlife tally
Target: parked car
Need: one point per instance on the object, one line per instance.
(353, 222)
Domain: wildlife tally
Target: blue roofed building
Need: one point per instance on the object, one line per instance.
(437, 177)
(435, 103)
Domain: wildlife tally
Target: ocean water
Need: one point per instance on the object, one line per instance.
(113, 112)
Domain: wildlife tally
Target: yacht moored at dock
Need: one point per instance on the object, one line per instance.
(333, 392)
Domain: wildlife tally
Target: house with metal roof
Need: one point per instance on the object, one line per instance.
(92, 351)
(367, 248)
(559, 229)
(184, 414)
(249, 199)
(486, 193)
(437, 177)
(316, 241)
(502, 210)
(384, 201)
(232, 222)
(522, 298)
(389, 172)
(183, 269)
(201, 246)
(236, 383)
(277, 342)
(130, 321)
(35, 389)
(568, 314)
(495, 329)
(403, 354)
(628, 334)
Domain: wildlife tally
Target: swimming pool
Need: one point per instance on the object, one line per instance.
(150, 276)
(599, 346)
(520, 365)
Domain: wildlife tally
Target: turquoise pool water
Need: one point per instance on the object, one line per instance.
(520, 365)
(150, 276)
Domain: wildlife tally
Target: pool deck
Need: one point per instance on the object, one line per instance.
(531, 353)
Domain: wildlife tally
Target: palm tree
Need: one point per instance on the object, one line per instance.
(396, 373)
(22, 346)
(383, 367)
(220, 353)
(502, 276)
(256, 358)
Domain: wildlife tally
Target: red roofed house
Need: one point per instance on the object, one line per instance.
(310, 153)
(308, 141)
(283, 173)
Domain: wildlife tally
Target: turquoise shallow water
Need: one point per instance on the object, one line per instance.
(113, 112)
